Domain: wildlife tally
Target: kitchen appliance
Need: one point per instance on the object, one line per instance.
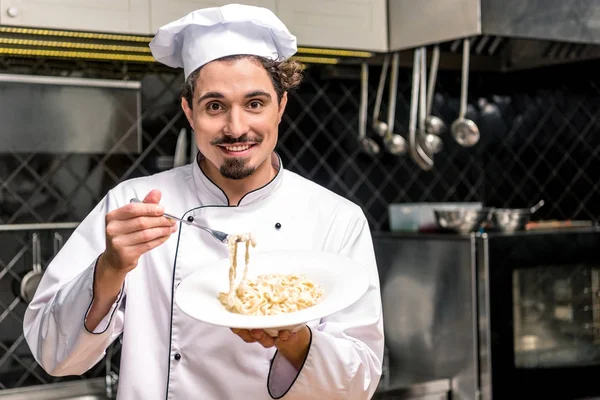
(504, 35)
(502, 315)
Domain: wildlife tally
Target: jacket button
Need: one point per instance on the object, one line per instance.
(278, 226)
(190, 219)
(177, 356)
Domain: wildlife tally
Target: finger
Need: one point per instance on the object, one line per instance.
(153, 196)
(245, 335)
(263, 338)
(144, 223)
(133, 210)
(144, 236)
(142, 248)
(284, 336)
(267, 341)
(140, 224)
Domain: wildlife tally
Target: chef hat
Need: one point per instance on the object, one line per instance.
(208, 34)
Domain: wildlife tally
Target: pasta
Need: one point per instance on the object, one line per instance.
(268, 294)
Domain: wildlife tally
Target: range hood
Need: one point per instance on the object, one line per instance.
(520, 34)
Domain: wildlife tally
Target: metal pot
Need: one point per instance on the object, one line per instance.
(513, 220)
(462, 220)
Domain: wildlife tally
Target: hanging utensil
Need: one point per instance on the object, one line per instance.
(433, 125)
(366, 143)
(412, 120)
(416, 139)
(394, 142)
(427, 142)
(465, 131)
(58, 243)
(180, 157)
(32, 279)
(380, 127)
(434, 143)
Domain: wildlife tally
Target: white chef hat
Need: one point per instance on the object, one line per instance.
(208, 34)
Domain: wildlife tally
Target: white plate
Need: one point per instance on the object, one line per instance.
(343, 280)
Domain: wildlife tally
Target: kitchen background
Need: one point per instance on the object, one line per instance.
(540, 139)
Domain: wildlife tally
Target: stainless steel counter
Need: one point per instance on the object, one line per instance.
(90, 389)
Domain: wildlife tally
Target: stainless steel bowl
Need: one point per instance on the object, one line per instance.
(510, 220)
(513, 219)
(461, 220)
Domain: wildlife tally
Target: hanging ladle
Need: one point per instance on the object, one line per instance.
(464, 131)
(366, 143)
(380, 127)
(394, 142)
(414, 137)
(429, 143)
(32, 279)
(434, 125)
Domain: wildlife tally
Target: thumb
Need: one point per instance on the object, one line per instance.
(153, 197)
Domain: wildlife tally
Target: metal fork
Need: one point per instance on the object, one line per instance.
(220, 236)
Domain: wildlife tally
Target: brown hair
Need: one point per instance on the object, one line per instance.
(285, 75)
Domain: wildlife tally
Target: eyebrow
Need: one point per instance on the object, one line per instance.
(217, 95)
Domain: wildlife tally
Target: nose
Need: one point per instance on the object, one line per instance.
(236, 123)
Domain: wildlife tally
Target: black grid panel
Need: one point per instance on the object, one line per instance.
(540, 140)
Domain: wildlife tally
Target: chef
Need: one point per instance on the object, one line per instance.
(118, 272)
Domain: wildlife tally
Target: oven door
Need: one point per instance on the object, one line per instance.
(539, 310)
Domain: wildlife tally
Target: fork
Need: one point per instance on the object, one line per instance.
(220, 236)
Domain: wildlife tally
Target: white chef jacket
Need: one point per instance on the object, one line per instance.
(168, 355)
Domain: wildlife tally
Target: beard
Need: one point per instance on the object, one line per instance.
(236, 168)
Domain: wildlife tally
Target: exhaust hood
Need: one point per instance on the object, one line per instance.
(521, 34)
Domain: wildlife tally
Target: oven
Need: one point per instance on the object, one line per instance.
(498, 315)
(539, 314)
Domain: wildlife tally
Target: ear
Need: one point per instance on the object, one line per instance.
(188, 112)
(282, 105)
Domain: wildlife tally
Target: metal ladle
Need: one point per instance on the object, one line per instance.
(433, 125)
(380, 127)
(413, 136)
(430, 144)
(394, 142)
(32, 279)
(367, 144)
(464, 131)
(423, 150)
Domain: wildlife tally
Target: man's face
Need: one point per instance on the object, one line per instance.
(235, 116)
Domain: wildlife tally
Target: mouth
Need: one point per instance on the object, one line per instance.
(240, 149)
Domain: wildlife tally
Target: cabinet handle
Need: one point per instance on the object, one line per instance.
(12, 11)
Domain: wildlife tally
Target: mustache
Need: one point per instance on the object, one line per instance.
(232, 140)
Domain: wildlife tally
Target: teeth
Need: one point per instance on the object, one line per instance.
(237, 148)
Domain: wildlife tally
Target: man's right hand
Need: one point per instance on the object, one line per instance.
(131, 231)
(135, 229)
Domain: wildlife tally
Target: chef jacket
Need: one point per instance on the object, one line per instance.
(168, 355)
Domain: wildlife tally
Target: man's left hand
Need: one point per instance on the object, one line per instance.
(292, 345)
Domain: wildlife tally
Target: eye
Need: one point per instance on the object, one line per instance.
(213, 106)
(255, 104)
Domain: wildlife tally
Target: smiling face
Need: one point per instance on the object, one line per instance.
(235, 115)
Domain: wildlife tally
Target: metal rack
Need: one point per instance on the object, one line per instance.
(17, 366)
